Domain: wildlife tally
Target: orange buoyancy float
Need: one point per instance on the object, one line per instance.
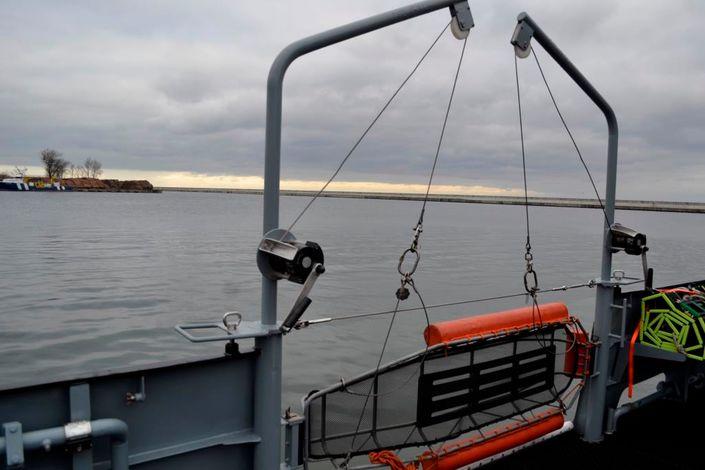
(468, 451)
(492, 323)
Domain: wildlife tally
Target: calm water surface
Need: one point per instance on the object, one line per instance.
(97, 281)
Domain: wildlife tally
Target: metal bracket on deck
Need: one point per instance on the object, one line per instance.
(244, 330)
(78, 432)
(14, 445)
(136, 397)
(617, 279)
(78, 436)
(293, 441)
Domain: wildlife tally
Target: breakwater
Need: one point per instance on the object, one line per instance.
(633, 205)
(108, 185)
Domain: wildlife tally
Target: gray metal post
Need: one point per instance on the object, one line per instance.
(268, 374)
(591, 409)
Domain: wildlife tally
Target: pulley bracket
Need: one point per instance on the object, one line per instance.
(521, 39)
(462, 21)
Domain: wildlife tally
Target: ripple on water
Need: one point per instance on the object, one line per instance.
(97, 281)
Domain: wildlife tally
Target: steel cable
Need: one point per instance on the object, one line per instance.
(407, 279)
(366, 131)
(570, 134)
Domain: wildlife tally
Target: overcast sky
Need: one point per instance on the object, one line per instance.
(175, 91)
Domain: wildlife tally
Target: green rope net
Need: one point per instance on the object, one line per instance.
(673, 320)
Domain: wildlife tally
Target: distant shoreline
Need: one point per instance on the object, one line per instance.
(82, 184)
(655, 206)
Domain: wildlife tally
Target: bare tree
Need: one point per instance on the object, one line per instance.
(76, 171)
(20, 172)
(3, 175)
(93, 168)
(54, 165)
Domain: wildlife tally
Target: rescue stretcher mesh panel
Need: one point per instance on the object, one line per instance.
(442, 392)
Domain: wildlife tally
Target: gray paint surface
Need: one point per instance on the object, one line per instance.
(194, 411)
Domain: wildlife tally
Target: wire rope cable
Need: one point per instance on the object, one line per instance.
(366, 131)
(407, 277)
(570, 134)
(530, 277)
(358, 316)
(523, 154)
(443, 130)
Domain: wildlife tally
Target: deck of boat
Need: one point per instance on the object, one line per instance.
(665, 435)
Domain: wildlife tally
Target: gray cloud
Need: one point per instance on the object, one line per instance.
(179, 85)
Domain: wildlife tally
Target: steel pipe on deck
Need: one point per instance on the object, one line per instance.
(45, 439)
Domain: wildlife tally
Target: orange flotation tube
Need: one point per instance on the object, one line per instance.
(493, 323)
(467, 451)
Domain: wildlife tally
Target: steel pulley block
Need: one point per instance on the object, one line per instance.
(461, 20)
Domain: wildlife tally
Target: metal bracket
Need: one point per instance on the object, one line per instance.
(293, 440)
(521, 39)
(462, 21)
(78, 436)
(14, 445)
(642, 350)
(596, 345)
(615, 281)
(246, 329)
(78, 441)
(80, 402)
(238, 329)
(135, 397)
